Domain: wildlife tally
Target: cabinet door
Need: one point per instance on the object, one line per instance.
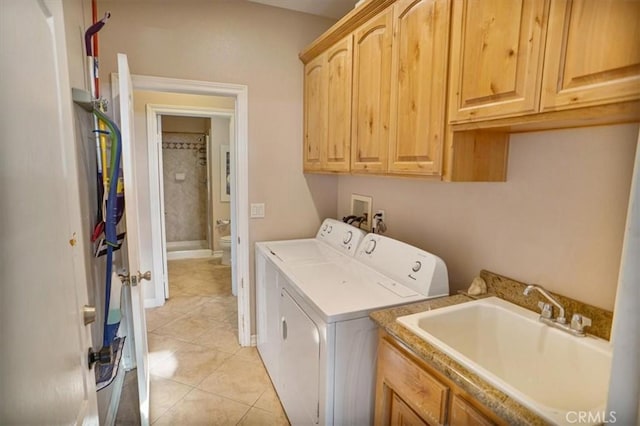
(315, 110)
(398, 374)
(403, 415)
(337, 145)
(496, 58)
(418, 94)
(593, 53)
(371, 85)
(464, 414)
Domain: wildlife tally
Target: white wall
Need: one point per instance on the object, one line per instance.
(558, 220)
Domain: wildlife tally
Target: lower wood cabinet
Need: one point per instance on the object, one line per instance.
(409, 392)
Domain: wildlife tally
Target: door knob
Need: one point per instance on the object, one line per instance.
(103, 356)
(133, 280)
(88, 314)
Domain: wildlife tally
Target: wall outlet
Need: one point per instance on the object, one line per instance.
(257, 210)
(380, 214)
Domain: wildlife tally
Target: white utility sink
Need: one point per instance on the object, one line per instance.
(551, 372)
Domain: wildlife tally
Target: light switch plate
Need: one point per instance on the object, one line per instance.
(257, 210)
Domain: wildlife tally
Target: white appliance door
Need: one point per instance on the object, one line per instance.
(136, 287)
(44, 377)
(299, 363)
(268, 315)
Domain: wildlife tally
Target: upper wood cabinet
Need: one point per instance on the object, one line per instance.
(371, 86)
(418, 92)
(433, 88)
(327, 109)
(315, 102)
(339, 70)
(593, 53)
(496, 58)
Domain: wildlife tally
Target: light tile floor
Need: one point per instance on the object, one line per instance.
(199, 373)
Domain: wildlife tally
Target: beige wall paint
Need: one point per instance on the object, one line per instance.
(558, 220)
(177, 124)
(244, 43)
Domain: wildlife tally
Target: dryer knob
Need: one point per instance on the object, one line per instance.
(330, 229)
(371, 246)
(347, 237)
(324, 227)
(416, 266)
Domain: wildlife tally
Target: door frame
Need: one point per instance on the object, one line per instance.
(156, 191)
(240, 176)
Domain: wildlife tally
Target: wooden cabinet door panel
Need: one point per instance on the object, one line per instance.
(403, 415)
(315, 102)
(418, 95)
(337, 145)
(496, 59)
(371, 85)
(593, 53)
(417, 387)
(464, 414)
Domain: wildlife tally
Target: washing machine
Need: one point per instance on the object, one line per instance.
(319, 347)
(334, 241)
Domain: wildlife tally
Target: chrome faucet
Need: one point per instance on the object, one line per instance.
(578, 322)
(546, 308)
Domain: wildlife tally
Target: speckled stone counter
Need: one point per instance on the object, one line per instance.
(497, 401)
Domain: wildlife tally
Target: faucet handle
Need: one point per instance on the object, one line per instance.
(579, 322)
(546, 309)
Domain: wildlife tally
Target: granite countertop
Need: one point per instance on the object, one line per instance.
(506, 288)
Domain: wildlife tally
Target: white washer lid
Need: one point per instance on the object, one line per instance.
(342, 290)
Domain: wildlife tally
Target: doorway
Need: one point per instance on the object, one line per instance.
(238, 96)
(192, 147)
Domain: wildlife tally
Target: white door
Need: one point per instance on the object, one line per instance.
(163, 227)
(44, 374)
(124, 99)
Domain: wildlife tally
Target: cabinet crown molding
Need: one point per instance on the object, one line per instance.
(343, 27)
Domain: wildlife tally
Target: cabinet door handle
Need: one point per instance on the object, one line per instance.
(284, 328)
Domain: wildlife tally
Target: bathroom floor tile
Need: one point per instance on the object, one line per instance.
(259, 417)
(221, 337)
(249, 353)
(238, 379)
(187, 327)
(269, 401)
(158, 317)
(203, 408)
(199, 373)
(164, 394)
(190, 366)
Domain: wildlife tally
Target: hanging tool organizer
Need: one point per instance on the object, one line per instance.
(110, 207)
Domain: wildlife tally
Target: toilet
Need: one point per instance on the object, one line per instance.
(225, 244)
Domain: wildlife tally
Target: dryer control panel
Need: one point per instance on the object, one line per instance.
(410, 266)
(340, 235)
